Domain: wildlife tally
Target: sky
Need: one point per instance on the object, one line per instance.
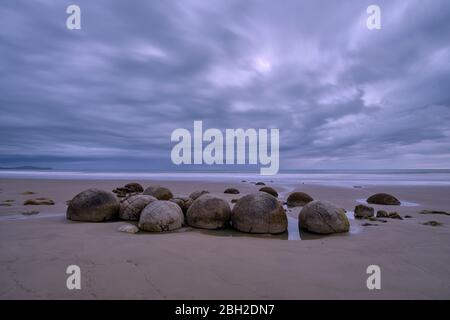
(109, 96)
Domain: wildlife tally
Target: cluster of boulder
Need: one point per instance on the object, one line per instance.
(156, 209)
(366, 212)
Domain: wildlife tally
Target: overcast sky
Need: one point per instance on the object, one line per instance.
(109, 95)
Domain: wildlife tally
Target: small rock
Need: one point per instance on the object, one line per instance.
(128, 228)
(231, 191)
(28, 192)
(369, 225)
(408, 217)
(260, 184)
(434, 212)
(382, 214)
(39, 202)
(395, 215)
(363, 211)
(30, 213)
(432, 223)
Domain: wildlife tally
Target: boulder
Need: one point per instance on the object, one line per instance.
(231, 191)
(194, 195)
(208, 212)
(93, 205)
(159, 192)
(270, 191)
(298, 199)
(323, 217)
(161, 216)
(260, 184)
(382, 214)
(363, 212)
(184, 202)
(131, 207)
(259, 213)
(134, 187)
(383, 198)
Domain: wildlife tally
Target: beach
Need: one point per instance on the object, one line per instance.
(36, 249)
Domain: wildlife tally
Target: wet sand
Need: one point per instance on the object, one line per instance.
(194, 264)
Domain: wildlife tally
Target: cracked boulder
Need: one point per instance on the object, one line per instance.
(93, 205)
(259, 213)
(131, 207)
(323, 217)
(208, 212)
(160, 216)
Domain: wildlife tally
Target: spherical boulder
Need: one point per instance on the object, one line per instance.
(208, 212)
(159, 192)
(323, 217)
(161, 216)
(194, 195)
(259, 213)
(383, 198)
(183, 201)
(269, 190)
(93, 205)
(131, 207)
(298, 199)
(231, 191)
(260, 184)
(134, 187)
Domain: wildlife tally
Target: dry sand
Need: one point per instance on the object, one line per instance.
(190, 264)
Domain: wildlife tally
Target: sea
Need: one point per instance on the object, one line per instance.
(350, 178)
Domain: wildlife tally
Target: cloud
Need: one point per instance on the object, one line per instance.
(110, 94)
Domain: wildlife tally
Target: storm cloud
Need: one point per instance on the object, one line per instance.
(109, 95)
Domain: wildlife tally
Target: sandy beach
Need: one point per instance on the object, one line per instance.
(35, 250)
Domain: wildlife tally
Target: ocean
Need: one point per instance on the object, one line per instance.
(348, 178)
